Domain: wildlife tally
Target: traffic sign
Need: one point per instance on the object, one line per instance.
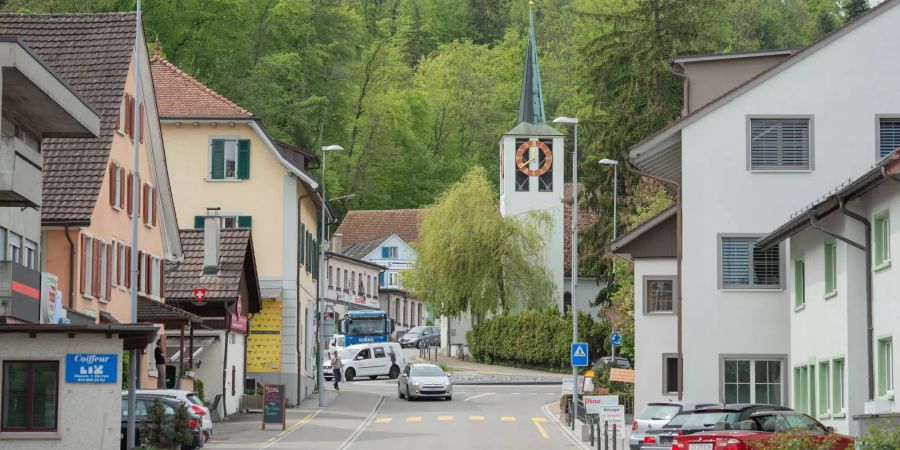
(579, 354)
(616, 339)
(200, 295)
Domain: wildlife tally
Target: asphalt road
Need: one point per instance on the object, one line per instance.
(478, 417)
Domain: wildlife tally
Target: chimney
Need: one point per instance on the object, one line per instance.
(211, 226)
(337, 242)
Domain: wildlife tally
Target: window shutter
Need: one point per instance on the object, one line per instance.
(128, 266)
(95, 275)
(144, 202)
(889, 136)
(218, 159)
(385, 252)
(130, 191)
(779, 144)
(302, 254)
(155, 204)
(735, 262)
(141, 123)
(243, 170)
(112, 184)
(162, 278)
(245, 221)
(381, 278)
(129, 116)
(83, 262)
(109, 273)
(140, 271)
(198, 222)
(148, 278)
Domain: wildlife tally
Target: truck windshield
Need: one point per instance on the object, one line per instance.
(367, 326)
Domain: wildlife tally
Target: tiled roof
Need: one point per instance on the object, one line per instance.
(179, 95)
(586, 218)
(152, 311)
(366, 225)
(234, 247)
(92, 53)
(362, 249)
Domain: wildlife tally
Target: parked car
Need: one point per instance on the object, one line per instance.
(189, 398)
(759, 428)
(655, 415)
(607, 362)
(423, 336)
(424, 380)
(143, 404)
(702, 419)
(369, 360)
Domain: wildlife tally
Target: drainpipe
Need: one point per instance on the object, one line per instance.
(679, 274)
(297, 266)
(225, 366)
(71, 268)
(870, 343)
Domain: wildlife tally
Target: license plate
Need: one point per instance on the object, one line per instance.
(700, 447)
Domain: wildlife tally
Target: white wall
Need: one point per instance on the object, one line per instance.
(844, 85)
(654, 334)
(89, 414)
(210, 369)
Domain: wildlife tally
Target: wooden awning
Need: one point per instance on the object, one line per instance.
(152, 311)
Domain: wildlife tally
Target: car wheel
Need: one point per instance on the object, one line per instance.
(394, 373)
(372, 377)
(449, 397)
(350, 374)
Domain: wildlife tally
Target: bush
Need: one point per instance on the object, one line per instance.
(801, 441)
(886, 437)
(162, 431)
(534, 339)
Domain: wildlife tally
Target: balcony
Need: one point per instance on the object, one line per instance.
(20, 293)
(20, 173)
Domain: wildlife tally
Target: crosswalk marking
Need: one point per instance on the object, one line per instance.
(537, 421)
(476, 417)
(384, 420)
(507, 419)
(414, 419)
(445, 418)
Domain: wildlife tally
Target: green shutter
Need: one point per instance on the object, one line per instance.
(198, 222)
(308, 252)
(823, 389)
(301, 255)
(243, 168)
(829, 268)
(245, 221)
(837, 386)
(218, 160)
(812, 390)
(881, 235)
(799, 283)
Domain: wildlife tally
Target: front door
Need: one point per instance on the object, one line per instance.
(363, 362)
(381, 364)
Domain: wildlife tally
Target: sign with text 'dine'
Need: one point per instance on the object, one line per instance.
(593, 403)
(92, 367)
(579, 354)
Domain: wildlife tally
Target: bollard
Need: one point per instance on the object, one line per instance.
(614, 438)
(592, 434)
(605, 435)
(598, 434)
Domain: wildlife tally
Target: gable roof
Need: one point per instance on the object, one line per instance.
(181, 96)
(654, 224)
(363, 249)
(92, 52)
(646, 153)
(367, 225)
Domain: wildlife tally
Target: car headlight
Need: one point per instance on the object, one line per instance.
(446, 384)
(416, 383)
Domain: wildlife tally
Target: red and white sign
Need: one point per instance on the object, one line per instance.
(200, 295)
(238, 319)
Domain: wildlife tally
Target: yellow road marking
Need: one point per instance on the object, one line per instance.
(507, 419)
(384, 420)
(414, 419)
(445, 418)
(290, 428)
(537, 423)
(476, 417)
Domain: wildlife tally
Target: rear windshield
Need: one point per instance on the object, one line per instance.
(195, 399)
(702, 419)
(659, 412)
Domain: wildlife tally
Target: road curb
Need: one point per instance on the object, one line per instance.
(508, 383)
(566, 431)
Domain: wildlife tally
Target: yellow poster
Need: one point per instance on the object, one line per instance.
(264, 341)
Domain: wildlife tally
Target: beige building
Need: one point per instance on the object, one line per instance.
(220, 156)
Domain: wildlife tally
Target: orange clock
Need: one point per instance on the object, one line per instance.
(525, 151)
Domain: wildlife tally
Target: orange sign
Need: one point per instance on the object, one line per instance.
(622, 375)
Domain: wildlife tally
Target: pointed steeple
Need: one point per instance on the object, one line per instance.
(531, 99)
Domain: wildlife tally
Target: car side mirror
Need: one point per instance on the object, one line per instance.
(829, 429)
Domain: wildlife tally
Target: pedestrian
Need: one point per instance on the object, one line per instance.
(336, 369)
(160, 357)
(393, 356)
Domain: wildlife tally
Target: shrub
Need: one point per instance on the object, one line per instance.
(801, 441)
(886, 437)
(163, 431)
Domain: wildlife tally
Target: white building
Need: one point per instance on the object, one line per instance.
(352, 284)
(835, 360)
(773, 141)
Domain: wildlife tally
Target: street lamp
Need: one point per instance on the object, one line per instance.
(615, 164)
(574, 121)
(320, 305)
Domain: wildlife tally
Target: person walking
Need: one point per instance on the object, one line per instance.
(336, 369)
(160, 359)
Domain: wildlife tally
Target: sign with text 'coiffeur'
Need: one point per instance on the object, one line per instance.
(91, 367)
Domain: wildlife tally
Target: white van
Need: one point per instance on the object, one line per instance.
(370, 360)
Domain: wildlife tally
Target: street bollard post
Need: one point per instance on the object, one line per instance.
(592, 433)
(605, 435)
(598, 434)
(614, 438)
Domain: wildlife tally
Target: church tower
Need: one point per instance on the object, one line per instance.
(531, 164)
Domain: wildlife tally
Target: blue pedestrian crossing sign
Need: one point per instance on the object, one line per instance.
(616, 339)
(579, 354)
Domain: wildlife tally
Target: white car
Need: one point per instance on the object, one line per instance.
(369, 360)
(424, 380)
(190, 399)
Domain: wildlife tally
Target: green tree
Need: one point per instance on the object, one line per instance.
(472, 260)
(853, 8)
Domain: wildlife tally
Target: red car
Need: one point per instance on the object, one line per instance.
(755, 432)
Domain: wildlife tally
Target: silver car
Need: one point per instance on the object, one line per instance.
(424, 380)
(655, 415)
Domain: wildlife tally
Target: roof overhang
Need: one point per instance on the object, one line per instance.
(533, 129)
(833, 201)
(134, 336)
(660, 155)
(660, 224)
(362, 262)
(733, 55)
(39, 98)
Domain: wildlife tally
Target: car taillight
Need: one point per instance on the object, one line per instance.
(634, 425)
(198, 410)
(192, 424)
(649, 440)
(732, 444)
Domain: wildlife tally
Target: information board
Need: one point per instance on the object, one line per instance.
(614, 416)
(592, 403)
(273, 405)
(91, 367)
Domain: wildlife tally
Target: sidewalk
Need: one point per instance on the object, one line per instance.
(553, 411)
(458, 367)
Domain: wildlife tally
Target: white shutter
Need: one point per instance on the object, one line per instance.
(889, 136)
(779, 144)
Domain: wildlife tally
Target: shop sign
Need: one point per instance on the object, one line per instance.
(238, 319)
(91, 367)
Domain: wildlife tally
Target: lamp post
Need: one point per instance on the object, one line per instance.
(320, 305)
(574, 121)
(615, 164)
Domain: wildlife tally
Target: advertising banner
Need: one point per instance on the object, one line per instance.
(264, 341)
(91, 367)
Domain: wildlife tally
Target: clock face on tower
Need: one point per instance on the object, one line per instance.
(528, 152)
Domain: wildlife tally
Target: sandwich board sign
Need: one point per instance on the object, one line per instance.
(273, 405)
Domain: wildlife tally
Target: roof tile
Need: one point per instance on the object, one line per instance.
(367, 225)
(179, 95)
(234, 247)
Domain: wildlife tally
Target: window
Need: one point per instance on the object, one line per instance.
(779, 144)
(122, 265)
(123, 114)
(149, 202)
(2, 244)
(104, 294)
(744, 266)
(229, 159)
(658, 295)
(670, 374)
(116, 186)
(824, 390)
(882, 239)
(885, 367)
(837, 386)
(30, 390)
(799, 283)
(379, 352)
(389, 252)
(752, 381)
(805, 389)
(156, 277)
(830, 268)
(392, 279)
(87, 265)
(30, 260)
(888, 136)
(330, 274)
(15, 248)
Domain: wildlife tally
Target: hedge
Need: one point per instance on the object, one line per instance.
(534, 339)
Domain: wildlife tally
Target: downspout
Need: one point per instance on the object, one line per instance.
(679, 272)
(71, 268)
(225, 366)
(678, 70)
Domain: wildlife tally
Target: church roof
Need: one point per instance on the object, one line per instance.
(531, 99)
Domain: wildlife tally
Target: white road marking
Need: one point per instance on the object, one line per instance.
(479, 395)
(355, 435)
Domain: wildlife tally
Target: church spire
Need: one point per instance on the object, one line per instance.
(531, 99)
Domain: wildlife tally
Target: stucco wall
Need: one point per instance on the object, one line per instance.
(210, 369)
(654, 334)
(710, 79)
(89, 414)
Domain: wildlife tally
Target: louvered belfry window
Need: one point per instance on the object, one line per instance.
(888, 136)
(743, 265)
(779, 144)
